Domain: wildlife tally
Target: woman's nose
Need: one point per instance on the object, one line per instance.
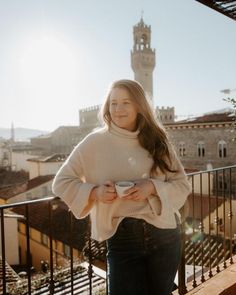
(119, 107)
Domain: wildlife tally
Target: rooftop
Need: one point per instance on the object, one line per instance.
(219, 116)
(51, 158)
(9, 178)
(12, 190)
(39, 220)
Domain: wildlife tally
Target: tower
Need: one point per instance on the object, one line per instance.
(143, 57)
(12, 139)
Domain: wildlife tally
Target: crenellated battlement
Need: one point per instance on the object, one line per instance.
(91, 108)
(165, 108)
(89, 116)
(165, 114)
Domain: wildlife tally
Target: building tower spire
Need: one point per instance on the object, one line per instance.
(143, 56)
(12, 139)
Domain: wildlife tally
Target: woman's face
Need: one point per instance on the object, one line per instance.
(122, 109)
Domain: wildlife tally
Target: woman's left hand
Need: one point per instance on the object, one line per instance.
(142, 189)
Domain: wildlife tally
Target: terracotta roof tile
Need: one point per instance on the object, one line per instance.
(8, 178)
(15, 189)
(210, 118)
(34, 182)
(51, 158)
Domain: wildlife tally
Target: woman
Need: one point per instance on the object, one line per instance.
(143, 237)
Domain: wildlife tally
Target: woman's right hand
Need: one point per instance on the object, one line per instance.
(105, 193)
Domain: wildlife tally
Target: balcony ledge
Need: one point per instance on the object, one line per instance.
(223, 283)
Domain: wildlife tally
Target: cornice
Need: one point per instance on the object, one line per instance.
(174, 126)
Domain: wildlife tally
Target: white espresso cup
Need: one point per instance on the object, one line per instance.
(122, 186)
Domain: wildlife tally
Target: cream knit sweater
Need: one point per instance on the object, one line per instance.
(116, 154)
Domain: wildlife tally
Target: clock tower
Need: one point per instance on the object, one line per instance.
(143, 57)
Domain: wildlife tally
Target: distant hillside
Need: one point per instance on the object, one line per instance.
(21, 134)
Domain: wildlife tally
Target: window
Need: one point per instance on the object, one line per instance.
(66, 250)
(5, 155)
(44, 239)
(201, 149)
(222, 149)
(182, 149)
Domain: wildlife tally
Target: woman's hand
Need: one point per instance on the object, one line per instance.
(142, 190)
(105, 193)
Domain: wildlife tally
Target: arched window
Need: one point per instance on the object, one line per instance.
(222, 149)
(182, 149)
(144, 40)
(201, 149)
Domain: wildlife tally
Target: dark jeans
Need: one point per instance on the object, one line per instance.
(142, 259)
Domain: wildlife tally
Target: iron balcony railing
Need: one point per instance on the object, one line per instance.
(209, 232)
(209, 227)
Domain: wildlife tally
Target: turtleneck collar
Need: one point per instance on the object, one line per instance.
(114, 129)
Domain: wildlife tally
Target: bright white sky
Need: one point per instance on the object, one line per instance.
(57, 56)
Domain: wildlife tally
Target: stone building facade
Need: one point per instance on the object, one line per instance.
(89, 116)
(61, 140)
(165, 114)
(204, 142)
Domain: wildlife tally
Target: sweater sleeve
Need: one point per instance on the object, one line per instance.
(69, 186)
(174, 188)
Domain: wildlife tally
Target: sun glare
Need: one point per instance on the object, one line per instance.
(47, 67)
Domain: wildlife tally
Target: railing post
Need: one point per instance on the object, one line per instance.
(3, 253)
(28, 249)
(51, 248)
(217, 220)
(209, 223)
(193, 233)
(230, 216)
(181, 271)
(202, 231)
(90, 268)
(71, 252)
(224, 220)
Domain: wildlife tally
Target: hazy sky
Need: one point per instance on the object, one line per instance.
(57, 56)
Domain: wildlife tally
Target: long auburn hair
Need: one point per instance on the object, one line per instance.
(152, 136)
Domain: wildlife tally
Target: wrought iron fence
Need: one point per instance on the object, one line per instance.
(209, 232)
(209, 227)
